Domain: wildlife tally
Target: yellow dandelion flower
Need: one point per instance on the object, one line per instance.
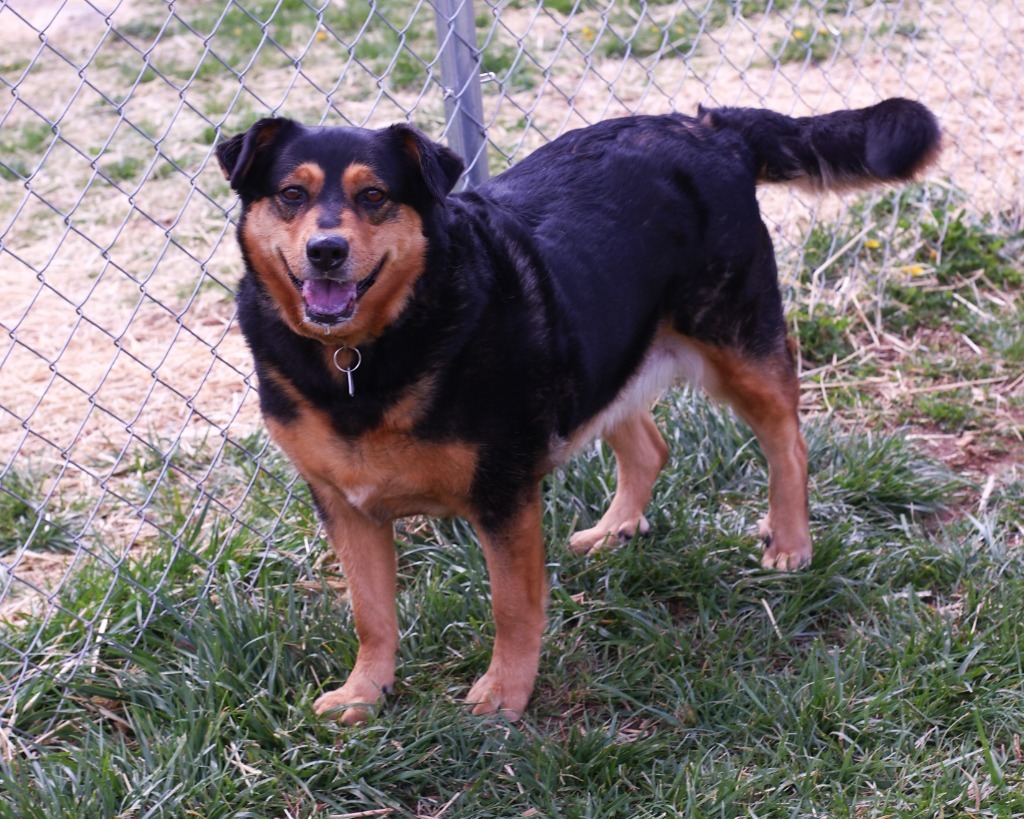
(872, 244)
(321, 35)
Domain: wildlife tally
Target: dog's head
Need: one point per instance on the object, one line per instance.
(333, 219)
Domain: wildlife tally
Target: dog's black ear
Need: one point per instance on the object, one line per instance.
(439, 166)
(236, 155)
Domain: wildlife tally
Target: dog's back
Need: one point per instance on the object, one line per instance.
(641, 220)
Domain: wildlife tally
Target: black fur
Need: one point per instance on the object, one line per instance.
(888, 142)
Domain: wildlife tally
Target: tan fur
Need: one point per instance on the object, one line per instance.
(766, 396)
(765, 393)
(265, 239)
(358, 178)
(387, 472)
(640, 455)
(366, 551)
(384, 474)
(308, 175)
(515, 563)
(399, 238)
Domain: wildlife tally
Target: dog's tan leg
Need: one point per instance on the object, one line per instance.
(366, 551)
(765, 393)
(515, 562)
(640, 455)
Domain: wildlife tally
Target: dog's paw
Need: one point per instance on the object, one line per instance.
(784, 555)
(500, 695)
(604, 536)
(356, 701)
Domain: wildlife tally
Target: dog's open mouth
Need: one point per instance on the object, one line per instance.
(328, 301)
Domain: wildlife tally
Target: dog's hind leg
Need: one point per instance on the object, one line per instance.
(640, 454)
(765, 392)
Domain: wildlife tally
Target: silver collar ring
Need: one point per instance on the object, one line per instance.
(349, 370)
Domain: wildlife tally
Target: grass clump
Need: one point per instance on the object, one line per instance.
(29, 519)
(807, 43)
(907, 310)
(22, 149)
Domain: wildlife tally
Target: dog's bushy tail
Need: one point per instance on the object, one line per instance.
(892, 141)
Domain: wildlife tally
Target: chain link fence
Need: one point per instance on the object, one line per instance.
(130, 444)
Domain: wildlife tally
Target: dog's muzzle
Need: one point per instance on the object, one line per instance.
(330, 297)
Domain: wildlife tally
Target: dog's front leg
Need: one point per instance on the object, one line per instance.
(366, 550)
(515, 561)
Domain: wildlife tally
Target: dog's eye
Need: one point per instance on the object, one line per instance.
(293, 194)
(373, 196)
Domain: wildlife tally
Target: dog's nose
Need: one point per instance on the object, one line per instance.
(327, 252)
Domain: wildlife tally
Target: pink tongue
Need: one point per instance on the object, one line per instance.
(328, 298)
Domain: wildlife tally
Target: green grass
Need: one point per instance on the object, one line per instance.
(21, 150)
(29, 519)
(807, 43)
(641, 31)
(678, 677)
(912, 295)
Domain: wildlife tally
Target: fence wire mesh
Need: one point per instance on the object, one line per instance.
(129, 438)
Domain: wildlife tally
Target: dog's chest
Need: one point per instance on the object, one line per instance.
(385, 473)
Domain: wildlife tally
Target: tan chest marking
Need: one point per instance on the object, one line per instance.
(385, 473)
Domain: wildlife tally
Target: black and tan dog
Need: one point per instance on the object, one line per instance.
(426, 353)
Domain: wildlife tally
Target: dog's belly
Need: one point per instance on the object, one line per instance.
(671, 359)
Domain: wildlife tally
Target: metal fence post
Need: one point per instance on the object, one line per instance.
(460, 73)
